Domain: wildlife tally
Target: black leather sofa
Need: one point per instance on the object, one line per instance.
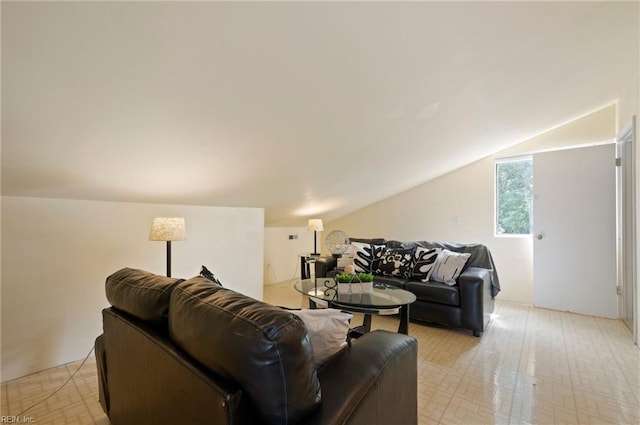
(468, 304)
(192, 352)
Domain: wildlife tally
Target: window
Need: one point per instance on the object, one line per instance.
(514, 196)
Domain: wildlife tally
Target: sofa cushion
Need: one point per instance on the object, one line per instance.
(366, 256)
(390, 280)
(396, 262)
(448, 266)
(435, 292)
(328, 329)
(423, 259)
(263, 348)
(208, 274)
(140, 293)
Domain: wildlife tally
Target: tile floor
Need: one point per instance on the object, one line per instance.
(531, 366)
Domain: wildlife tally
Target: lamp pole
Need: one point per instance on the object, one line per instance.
(315, 248)
(168, 258)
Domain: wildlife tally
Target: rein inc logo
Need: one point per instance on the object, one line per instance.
(17, 420)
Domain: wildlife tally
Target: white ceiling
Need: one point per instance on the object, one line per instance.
(305, 109)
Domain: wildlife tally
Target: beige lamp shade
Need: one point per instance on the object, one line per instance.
(168, 229)
(315, 224)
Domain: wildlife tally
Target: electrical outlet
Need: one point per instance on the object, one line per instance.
(292, 237)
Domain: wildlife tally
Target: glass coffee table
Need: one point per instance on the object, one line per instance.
(382, 300)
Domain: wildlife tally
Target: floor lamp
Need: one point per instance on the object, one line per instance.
(168, 229)
(315, 224)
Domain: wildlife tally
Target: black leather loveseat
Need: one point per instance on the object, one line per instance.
(466, 304)
(193, 352)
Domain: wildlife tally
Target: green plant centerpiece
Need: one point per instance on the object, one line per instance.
(352, 283)
(345, 277)
(365, 277)
(354, 278)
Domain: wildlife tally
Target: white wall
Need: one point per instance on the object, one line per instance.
(282, 255)
(57, 253)
(459, 206)
(629, 102)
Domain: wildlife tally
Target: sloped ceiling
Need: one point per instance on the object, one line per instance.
(306, 109)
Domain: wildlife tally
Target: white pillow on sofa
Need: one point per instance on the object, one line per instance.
(327, 328)
(346, 259)
(448, 266)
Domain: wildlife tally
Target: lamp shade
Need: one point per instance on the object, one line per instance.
(168, 229)
(315, 224)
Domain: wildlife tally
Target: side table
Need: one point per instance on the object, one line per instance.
(306, 262)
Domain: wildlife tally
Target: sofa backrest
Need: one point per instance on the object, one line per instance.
(480, 256)
(263, 348)
(140, 293)
(374, 241)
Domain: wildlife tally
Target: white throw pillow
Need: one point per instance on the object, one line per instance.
(346, 259)
(448, 267)
(327, 329)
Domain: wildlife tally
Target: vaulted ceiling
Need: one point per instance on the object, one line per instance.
(303, 108)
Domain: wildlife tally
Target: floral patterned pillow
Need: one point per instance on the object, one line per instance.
(396, 262)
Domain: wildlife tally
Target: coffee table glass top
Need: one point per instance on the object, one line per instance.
(382, 295)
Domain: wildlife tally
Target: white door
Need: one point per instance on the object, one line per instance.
(574, 256)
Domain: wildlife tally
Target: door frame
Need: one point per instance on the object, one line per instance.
(626, 228)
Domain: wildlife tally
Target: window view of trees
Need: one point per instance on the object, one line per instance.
(514, 192)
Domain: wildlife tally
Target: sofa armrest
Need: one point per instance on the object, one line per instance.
(475, 298)
(325, 265)
(380, 365)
